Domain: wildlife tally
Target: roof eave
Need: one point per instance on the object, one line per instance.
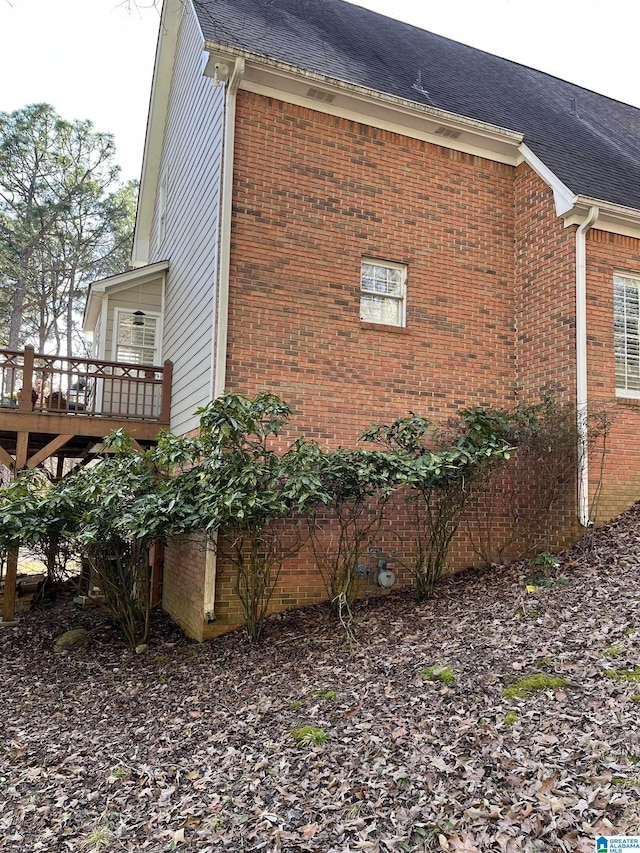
(172, 11)
(97, 289)
(616, 218)
(269, 76)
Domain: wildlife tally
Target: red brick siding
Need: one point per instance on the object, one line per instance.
(313, 194)
(183, 585)
(490, 305)
(606, 254)
(545, 292)
(545, 312)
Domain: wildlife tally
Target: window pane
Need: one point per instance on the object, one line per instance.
(136, 356)
(377, 309)
(626, 322)
(382, 293)
(378, 279)
(136, 340)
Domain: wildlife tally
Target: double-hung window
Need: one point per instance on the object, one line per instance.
(383, 287)
(137, 337)
(626, 318)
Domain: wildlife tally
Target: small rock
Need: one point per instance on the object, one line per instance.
(142, 648)
(71, 640)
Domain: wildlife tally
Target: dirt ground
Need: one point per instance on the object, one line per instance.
(191, 748)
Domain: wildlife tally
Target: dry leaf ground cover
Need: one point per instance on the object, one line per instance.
(190, 748)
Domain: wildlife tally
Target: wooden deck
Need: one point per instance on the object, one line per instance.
(53, 406)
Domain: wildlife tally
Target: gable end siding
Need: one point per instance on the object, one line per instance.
(191, 173)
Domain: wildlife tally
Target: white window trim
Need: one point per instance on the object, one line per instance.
(625, 393)
(402, 298)
(117, 311)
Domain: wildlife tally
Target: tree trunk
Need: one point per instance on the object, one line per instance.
(17, 307)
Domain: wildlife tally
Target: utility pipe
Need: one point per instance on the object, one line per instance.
(581, 366)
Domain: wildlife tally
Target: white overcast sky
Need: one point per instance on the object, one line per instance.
(94, 58)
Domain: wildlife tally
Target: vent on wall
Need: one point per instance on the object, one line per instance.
(320, 95)
(446, 131)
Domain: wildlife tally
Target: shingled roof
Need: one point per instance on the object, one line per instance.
(590, 142)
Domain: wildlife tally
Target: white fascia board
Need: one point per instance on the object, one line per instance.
(92, 310)
(614, 218)
(172, 11)
(357, 103)
(114, 283)
(563, 197)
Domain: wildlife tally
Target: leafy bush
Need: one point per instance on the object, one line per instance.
(438, 467)
(539, 479)
(118, 508)
(354, 487)
(244, 490)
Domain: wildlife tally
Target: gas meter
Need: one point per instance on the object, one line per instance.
(385, 571)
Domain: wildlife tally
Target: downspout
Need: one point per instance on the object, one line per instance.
(220, 370)
(219, 367)
(581, 366)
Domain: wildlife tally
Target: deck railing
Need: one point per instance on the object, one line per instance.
(55, 384)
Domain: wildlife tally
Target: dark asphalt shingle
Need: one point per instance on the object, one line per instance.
(595, 152)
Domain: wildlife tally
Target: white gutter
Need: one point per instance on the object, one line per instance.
(219, 345)
(581, 366)
(220, 371)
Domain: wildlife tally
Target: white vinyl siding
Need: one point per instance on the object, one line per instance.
(191, 158)
(626, 319)
(382, 292)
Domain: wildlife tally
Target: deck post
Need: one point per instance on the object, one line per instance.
(25, 399)
(165, 406)
(22, 450)
(10, 579)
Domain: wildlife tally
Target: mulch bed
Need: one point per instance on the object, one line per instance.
(189, 747)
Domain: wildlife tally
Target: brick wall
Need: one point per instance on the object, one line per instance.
(608, 253)
(490, 302)
(545, 313)
(545, 293)
(313, 195)
(183, 584)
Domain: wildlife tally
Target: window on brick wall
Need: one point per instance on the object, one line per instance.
(383, 286)
(626, 318)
